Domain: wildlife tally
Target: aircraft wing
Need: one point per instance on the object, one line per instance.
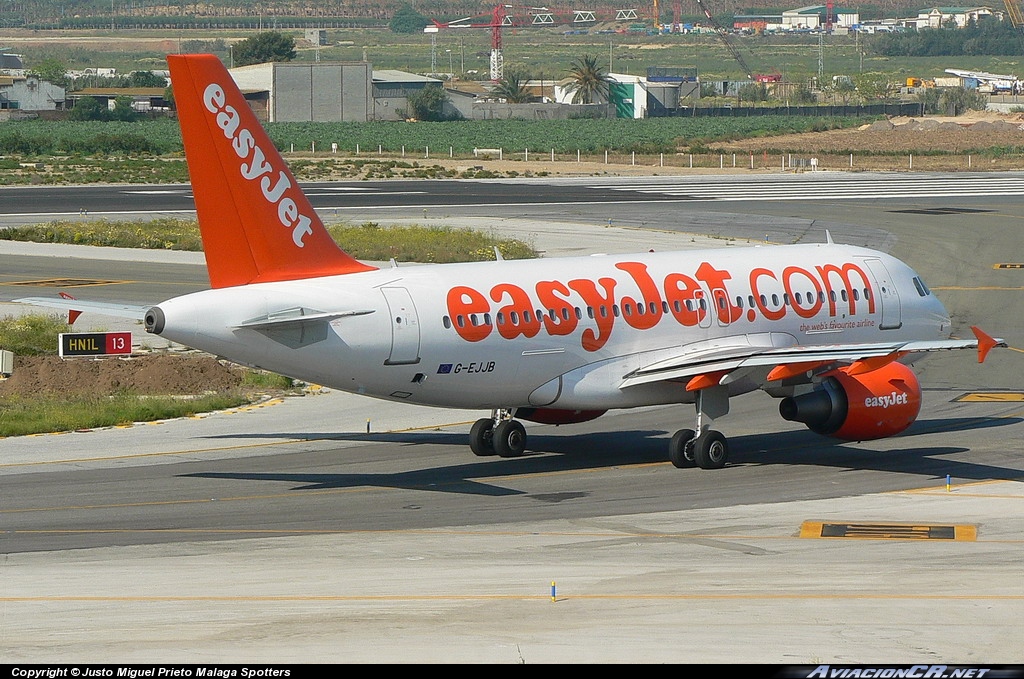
(728, 363)
(106, 308)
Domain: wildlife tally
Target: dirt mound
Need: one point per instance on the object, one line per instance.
(898, 135)
(155, 374)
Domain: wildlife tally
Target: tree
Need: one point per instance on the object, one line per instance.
(407, 20)
(264, 47)
(53, 71)
(958, 100)
(753, 92)
(89, 108)
(123, 110)
(589, 81)
(428, 103)
(512, 88)
(145, 79)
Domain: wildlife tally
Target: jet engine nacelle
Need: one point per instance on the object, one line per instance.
(871, 405)
(558, 415)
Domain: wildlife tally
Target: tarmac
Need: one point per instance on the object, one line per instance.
(730, 585)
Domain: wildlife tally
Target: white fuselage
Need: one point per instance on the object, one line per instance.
(561, 333)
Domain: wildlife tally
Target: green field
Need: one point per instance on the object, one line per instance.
(543, 53)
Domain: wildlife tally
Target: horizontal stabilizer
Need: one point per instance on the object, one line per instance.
(106, 308)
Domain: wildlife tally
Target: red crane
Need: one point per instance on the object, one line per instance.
(503, 16)
(499, 18)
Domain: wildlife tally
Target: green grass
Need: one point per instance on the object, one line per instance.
(32, 334)
(369, 241)
(20, 416)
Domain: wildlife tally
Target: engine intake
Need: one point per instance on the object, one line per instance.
(862, 407)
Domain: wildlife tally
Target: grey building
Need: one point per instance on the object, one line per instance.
(324, 92)
(327, 92)
(29, 93)
(391, 91)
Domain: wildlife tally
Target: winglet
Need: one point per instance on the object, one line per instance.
(256, 223)
(985, 342)
(73, 314)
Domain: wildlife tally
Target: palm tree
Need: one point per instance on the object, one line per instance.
(590, 82)
(512, 88)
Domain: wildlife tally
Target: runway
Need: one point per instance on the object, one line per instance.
(288, 533)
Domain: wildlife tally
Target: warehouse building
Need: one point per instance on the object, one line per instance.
(327, 92)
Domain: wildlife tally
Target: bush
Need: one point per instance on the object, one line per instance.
(32, 334)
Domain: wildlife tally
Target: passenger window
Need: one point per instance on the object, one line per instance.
(461, 321)
(447, 322)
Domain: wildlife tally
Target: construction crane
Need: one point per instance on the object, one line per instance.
(502, 16)
(1014, 12)
(724, 35)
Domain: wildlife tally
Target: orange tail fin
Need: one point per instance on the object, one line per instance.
(256, 223)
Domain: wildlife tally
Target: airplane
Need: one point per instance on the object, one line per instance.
(829, 329)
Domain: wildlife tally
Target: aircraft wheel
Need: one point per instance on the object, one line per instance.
(680, 450)
(481, 437)
(710, 450)
(509, 438)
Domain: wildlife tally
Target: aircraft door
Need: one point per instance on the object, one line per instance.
(721, 308)
(888, 296)
(405, 327)
(705, 312)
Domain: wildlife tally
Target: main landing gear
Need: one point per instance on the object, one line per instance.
(498, 435)
(709, 449)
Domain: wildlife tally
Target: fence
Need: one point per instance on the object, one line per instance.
(537, 161)
(905, 109)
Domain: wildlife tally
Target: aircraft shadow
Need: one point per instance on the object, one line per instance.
(596, 450)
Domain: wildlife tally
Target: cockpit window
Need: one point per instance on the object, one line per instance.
(922, 289)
